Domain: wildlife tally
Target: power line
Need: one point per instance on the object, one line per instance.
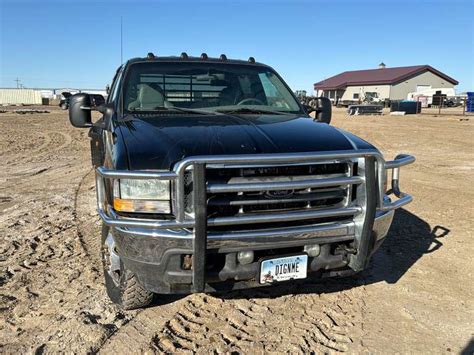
(17, 83)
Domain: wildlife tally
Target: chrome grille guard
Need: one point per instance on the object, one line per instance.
(181, 220)
(372, 170)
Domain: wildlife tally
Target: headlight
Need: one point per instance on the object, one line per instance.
(144, 196)
(144, 189)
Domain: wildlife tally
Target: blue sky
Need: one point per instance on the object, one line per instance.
(77, 43)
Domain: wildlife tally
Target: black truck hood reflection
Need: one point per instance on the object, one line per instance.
(158, 142)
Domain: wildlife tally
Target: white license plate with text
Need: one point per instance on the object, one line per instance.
(283, 269)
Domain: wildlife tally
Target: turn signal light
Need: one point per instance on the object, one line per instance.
(142, 206)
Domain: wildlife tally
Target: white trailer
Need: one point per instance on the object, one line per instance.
(426, 96)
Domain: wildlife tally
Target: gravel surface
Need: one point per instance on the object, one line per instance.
(415, 297)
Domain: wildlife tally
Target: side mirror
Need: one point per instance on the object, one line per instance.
(80, 110)
(96, 100)
(309, 108)
(323, 110)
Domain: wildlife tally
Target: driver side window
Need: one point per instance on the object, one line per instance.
(113, 94)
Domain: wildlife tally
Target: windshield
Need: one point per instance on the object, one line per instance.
(206, 86)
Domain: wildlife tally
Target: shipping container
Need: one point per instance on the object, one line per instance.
(20, 97)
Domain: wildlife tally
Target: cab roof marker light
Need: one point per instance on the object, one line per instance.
(184, 55)
(223, 57)
(251, 60)
(204, 56)
(150, 55)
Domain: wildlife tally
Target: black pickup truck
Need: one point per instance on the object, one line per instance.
(212, 176)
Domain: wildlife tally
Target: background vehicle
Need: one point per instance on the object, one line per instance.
(426, 96)
(95, 99)
(371, 97)
(365, 98)
(212, 176)
(64, 103)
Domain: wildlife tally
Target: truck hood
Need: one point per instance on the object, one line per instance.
(158, 142)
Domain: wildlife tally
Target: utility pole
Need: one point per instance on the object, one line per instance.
(17, 83)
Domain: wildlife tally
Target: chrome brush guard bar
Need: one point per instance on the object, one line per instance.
(199, 163)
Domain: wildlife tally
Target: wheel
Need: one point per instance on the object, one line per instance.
(122, 285)
(64, 106)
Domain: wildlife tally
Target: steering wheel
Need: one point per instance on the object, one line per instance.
(250, 99)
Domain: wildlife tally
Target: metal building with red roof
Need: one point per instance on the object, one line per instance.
(388, 83)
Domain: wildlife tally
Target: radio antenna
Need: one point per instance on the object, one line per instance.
(121, 41)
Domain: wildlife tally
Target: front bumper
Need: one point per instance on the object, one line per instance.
(156, 256)
(153, 249)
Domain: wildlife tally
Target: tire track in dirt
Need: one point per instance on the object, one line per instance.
(247, 322)
(16, 145)
(80, 233)
(52, 296)
(50, 144)
(206, 323)
(57, 145)
(85, 321)
(35, 163)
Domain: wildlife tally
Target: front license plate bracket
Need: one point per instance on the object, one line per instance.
(283, 268)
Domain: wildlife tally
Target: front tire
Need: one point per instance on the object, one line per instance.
(122, 285)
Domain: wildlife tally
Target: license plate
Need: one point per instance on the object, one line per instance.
(283, 269)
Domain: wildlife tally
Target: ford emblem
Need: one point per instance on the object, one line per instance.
(279, 193)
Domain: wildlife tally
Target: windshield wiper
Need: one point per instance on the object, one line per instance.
(244, 110)
(175, 109)
(191, 110)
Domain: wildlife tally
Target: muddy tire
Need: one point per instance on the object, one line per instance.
(122, 285)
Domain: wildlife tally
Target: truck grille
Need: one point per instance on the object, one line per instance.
(250, 191)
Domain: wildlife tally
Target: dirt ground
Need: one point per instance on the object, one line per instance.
(416, 297)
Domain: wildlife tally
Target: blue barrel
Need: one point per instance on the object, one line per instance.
(470, 102)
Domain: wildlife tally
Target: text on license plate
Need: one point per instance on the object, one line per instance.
(284, 268)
